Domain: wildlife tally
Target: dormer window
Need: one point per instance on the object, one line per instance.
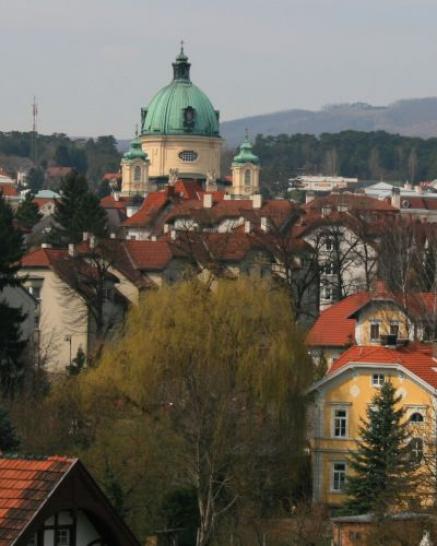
(189, 117)
(374, 331)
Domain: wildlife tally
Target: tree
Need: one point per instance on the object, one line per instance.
(27, 213)
(382, 465)
(77, 211)
(35, 179)
(11, 246)
(78, 363)
(12, 366)
(9, 440)
(220, 375)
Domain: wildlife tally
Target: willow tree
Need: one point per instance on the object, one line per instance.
(221, 374)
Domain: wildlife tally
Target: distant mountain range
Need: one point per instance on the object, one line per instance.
(408, 117)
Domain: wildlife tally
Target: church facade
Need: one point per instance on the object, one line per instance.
(180, 139)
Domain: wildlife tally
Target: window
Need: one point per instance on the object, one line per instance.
(247, 177)
(328, 243)
(338, 477)
(63, 537)
(188, 156)
(416, 417)
(329, 268)
(374, 331)
(340, 423)
(378, 379)
(32, 541)
(327, 293)
(416, 447)
(137, 173)
(394, 328)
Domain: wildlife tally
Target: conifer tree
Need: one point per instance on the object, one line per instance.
(27, 213)
(382, 465)
(9, 440)
(11, 246)
(77, 211)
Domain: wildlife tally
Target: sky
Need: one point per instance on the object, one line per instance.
(92, 64)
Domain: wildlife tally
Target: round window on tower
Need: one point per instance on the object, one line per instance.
(188, 156)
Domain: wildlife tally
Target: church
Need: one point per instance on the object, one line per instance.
(180, 139)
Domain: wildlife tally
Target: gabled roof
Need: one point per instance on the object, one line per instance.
(416, 358)
(109, 202)
(353, 201)
(28, 496)
(42, 257)
(152, 206)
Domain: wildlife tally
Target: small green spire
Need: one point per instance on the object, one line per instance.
(135, 150)
(246, 155)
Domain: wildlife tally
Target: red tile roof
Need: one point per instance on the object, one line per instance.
(42, 257)
(57, 170)
(8, 190)
(109, 202)
(25, 485)
(334, 327)
(417, 358)
(353, 201)
(152, 205)
(153, 255)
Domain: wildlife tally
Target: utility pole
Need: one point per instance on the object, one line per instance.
(34, 151)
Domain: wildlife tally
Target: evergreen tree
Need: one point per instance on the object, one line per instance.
(9, 440)
(27, 213)
(382, 465)
(11, 246)
(35, 179)
(77, 211)
(11, 349)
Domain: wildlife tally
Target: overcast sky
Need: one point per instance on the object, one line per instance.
(94, 63)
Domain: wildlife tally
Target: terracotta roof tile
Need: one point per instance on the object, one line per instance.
(42, 257)
(417, 358)
(24, 486)
(8, 190)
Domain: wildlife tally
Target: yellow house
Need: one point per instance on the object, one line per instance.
(343, 396)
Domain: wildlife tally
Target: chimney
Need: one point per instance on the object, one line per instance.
(116, 196)
(309, 196)
(71, 250)
(112, 235)
(264, 223)
(92, 241)
(166, 228)
(247, 226)
(227, 197)
(257, 201)
(207, 200)
(408, 186)
(173, 234)
(396, 197)
(85, 236)
(418, 188)
(46, 245)
(153, 238)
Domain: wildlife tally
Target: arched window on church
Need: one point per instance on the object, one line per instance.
(137, 174)
(247, 178)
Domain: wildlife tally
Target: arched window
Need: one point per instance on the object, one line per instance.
(188, 156)
(137, 174)
(416, 447)
(247, 177)
(416, 417)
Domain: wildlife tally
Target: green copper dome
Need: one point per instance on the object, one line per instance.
(135, 151)
(180, 108)
(246, 155)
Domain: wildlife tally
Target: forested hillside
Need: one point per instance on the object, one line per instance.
(91, 157)
(368, 156)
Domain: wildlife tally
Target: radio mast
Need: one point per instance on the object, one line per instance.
(34, 151)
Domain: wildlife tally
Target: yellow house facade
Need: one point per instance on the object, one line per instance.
(342, 398)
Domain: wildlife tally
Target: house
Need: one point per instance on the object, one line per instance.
(78, 302)
(343, 229)
(367, 318)
(54, 501)
(46, 201)
(341, 398)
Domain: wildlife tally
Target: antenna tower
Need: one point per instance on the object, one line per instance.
(34, 151)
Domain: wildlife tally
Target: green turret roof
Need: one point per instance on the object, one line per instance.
(135, 151)
(246, 155)
(180, 107)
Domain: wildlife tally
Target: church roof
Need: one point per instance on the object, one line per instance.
(135, 151)
(181, 107)
(246, 154)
